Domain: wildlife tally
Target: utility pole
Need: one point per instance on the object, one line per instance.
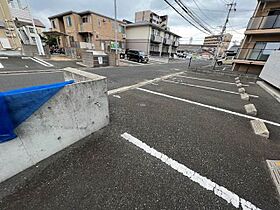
(116, 33)
(232, 7)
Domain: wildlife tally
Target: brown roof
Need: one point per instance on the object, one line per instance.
(87, 12)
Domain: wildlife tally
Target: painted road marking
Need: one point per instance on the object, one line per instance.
(209, 107)
(40, 62)
(210, 80)
(204, 182)
(140, 84)
(4, 58)
(207, 88)
(49, 64)
(1, 66)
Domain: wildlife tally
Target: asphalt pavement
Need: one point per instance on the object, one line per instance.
(193, 118)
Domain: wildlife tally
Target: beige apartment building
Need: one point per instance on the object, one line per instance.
(153, 38)
(16, 27)
(151, 17)
(86, 30)
(9, 39)
(213, 42)
(262, 37)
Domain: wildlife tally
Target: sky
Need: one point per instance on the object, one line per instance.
(212, 12)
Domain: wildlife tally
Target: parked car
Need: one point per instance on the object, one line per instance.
(225, 61)
(137, 55)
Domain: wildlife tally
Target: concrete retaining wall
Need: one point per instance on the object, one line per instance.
(75, 112)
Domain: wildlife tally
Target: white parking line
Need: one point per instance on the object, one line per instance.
(210, 107)
(208, 88)
(204, 182)
(40, 62)
(210, 80)
(140, 84)
(48, 64)
(1, 66)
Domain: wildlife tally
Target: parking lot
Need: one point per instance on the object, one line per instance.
(183, 142)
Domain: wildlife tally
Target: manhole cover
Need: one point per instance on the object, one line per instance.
(274, 167)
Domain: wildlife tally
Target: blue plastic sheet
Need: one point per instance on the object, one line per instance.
(18, 105)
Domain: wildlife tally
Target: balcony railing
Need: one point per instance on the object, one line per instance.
(176, 43)
(22, 15)
(167, 41)
(267, 22)
(255, 54)
(156, 38)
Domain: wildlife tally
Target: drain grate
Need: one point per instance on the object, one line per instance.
(274, 167)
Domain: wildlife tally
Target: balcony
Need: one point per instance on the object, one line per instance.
(85, 28)
(156, 38)
(262, 25)
(167, 41)
(21, 15)
(253, 56)
(176, 43)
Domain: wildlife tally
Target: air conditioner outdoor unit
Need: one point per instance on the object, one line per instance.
(124, 36)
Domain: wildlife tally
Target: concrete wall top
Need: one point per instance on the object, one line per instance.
(80, 76)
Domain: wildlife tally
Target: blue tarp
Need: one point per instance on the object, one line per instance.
(18, 105)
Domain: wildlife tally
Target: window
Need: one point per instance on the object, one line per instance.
(99, 23)
(68, 21)
(31, 30)
(85, 19)
(262, 50)
(53, 24)
(121, 29)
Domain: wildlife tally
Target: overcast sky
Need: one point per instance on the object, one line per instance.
(213, 12)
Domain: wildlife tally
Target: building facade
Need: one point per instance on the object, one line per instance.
(9, 39)
(151, 17)
(153, 38)
(87, 30)
(262, 37)
(213, 42)
(16, 25)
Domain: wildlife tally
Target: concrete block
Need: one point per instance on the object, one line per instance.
(251, 109)
(75, 112)
(260, 128)
(239, 85)
(241, 90)
(237, 81)
(245, 96)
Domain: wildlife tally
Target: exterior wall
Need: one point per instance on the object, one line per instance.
(8, 32)
(138, 38)
(256, 35)
(99, 30)
(60, 122)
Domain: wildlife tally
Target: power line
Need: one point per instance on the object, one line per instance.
(193, 16)
(166, 1)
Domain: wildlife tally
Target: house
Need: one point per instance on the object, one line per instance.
(262, 37)
(151, 35)
(218, 42)
(86, 30)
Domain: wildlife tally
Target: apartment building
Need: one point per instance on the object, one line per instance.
(16, 26)
(9, 39)
(155, 39)
(87, 30)
(213, 42)
(151, 17)
(262, 37)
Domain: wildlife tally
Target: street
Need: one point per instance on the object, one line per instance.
(180, 142)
